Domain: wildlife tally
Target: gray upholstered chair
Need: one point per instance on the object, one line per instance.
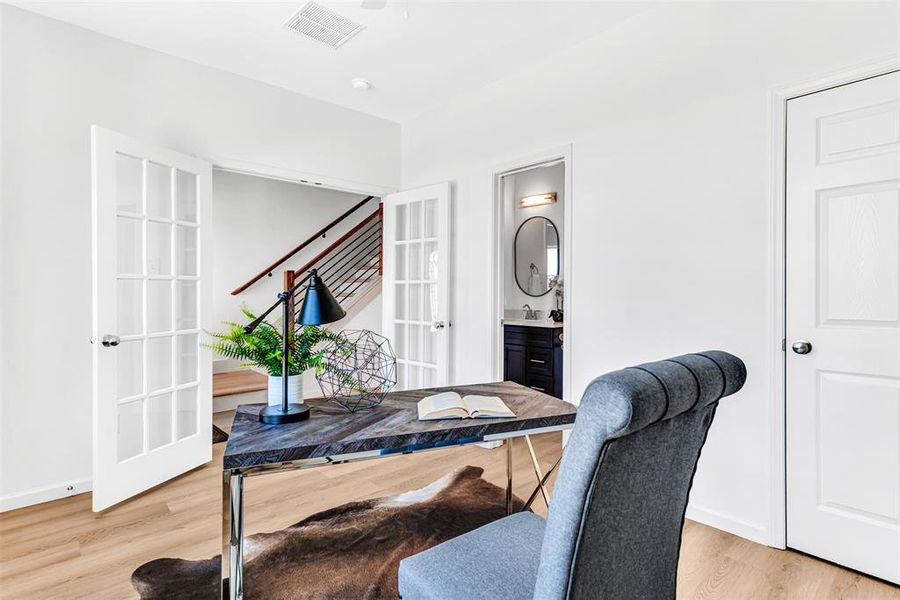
(614, 525)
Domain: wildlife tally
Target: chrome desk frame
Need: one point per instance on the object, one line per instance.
(233, 491)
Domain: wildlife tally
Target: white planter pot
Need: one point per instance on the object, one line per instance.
(295, 390)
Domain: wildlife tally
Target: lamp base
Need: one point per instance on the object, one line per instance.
(274, 415)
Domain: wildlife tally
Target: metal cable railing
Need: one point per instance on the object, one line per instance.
(351, 266)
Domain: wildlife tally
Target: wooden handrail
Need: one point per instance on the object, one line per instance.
(339, 241)
(298, 248)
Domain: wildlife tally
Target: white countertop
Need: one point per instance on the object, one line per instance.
(532, 322)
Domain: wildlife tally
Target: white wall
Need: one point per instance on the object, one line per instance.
(541, 180)
(56, 81)
(669, 117)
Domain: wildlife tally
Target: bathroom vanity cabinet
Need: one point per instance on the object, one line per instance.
(533, 356)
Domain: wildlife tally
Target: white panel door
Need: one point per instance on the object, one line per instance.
(843, 298)
(152, 378)
(415, 289)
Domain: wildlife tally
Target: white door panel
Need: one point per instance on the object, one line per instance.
(843, 296)
(416, 292)
(152, 378)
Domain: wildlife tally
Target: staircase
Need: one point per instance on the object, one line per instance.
(351, 267)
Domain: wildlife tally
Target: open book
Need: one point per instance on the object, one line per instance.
(450, 405)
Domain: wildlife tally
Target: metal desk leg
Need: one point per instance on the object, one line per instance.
(509, 479)
(233, 535)
(543, 481)
(537, 471)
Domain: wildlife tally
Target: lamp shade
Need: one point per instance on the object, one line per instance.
(319, 306)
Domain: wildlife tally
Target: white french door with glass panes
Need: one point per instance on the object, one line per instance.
(415, 289)
(152, 378)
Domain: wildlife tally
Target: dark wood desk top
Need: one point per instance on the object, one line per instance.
(390, 427)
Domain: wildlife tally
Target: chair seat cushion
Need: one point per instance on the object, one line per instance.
(498, 561)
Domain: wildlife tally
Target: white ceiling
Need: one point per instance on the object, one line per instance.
(414, 62)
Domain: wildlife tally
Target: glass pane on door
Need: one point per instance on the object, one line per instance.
(130, 243)
(159, 191)
(130, 433)
(159, 416)
(159, 248)
(186, 423)
(129, 174)
(185, 196)
(129, 368)
(159, 305)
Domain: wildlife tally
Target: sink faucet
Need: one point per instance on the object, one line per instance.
(529, 314)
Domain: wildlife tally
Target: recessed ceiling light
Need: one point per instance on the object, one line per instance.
(361, 83)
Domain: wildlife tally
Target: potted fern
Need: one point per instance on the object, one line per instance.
(262, 348)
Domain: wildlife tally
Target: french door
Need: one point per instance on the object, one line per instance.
(843, 325)
(152, 378)
(415, 291)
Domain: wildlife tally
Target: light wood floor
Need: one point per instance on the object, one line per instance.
(63, 550)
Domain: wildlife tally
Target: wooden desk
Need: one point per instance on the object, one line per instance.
(334, 436)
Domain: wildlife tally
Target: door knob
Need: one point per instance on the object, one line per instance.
(801, 347)
(109, 341)
(438, 324)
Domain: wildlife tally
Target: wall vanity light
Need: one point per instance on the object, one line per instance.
(539, 200)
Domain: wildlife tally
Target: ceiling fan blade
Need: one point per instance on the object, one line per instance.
(373, 4)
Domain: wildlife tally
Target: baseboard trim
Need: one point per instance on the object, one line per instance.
(44, 494)
(740, 528)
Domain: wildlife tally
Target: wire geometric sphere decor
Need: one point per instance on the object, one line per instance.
(363, 369)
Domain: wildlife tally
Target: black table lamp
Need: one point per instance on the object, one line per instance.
(319, 308)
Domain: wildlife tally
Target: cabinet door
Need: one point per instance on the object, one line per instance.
(557, 371)
(514, 363)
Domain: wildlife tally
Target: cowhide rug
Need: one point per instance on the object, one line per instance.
(349, 552)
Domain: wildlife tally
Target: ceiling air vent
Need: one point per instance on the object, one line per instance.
(323, 25)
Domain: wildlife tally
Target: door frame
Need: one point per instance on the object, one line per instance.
(777, 309)
(242, 167)
(288, 175)
(558, 153)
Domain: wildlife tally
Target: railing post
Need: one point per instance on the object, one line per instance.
(289, 277)
(381, 239)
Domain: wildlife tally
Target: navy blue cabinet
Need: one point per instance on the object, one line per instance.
(533, 357)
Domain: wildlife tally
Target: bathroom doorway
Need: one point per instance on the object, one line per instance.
(532, 211)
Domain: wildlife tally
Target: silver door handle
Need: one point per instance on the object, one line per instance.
(109, 341)
(801, 347)
(534, 360)
(438, 324)
(534, 387)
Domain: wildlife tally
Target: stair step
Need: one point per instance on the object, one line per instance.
(238, 382)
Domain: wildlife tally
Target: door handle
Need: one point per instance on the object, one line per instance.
(438, 324)
(534, 360)
(534, 387)
(801, 347)
(109, 341)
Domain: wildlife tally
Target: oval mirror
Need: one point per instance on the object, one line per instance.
(536, 256)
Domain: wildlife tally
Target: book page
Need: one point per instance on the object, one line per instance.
(487, 406)
(441, 406)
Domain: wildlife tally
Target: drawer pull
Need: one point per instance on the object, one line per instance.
(536, 388)
(534, 360)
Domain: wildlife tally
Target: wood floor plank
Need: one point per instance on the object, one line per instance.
(63, 550)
